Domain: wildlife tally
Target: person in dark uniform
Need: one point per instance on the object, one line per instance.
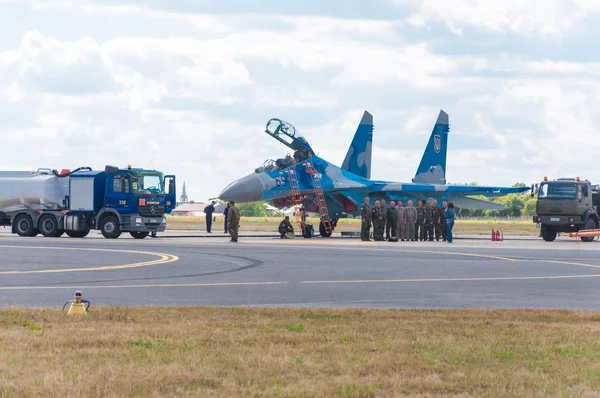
(209, 210)
(366, 214)
(420, 225)
(226, 214)
(286, 229)
(443, 221)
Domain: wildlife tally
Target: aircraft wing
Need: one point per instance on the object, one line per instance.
(445, 190)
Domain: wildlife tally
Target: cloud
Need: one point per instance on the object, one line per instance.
(542, 17)
(188, 87)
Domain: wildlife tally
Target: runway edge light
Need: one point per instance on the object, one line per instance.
(77, 306)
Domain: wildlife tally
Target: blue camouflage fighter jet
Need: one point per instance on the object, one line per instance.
(345, 187)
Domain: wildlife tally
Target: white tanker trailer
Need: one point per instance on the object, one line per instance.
(30, 190)
(74, 202)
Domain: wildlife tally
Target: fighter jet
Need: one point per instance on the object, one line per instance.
(343, 188)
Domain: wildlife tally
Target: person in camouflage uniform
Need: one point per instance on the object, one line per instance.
(384, 215)
(401, 225)
(392, 221)
(437, 214)
(429, 220)
(366, 214)
(388, 221)
(378, 221)
(420, 225)
(410, 218)
(444, 221)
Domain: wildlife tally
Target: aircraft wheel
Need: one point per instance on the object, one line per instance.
(323, 230)
(308, 232)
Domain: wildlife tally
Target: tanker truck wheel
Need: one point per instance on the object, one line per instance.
(24, 226)
(48, 226)
(111, 229)
(139, 235)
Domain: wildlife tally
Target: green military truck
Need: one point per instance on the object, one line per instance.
(565, 205)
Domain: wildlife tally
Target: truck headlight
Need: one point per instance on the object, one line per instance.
(164, 220)
(138, 220)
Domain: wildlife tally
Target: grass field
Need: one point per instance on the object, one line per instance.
(224, 352)
(266, 224)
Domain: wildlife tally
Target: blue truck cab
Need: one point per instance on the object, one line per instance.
(112, 201)
(119, 200)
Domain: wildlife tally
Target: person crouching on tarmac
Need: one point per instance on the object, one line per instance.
(286, 229)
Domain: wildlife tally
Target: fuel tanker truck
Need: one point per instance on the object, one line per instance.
(74, 202)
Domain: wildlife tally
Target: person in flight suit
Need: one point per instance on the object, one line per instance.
(410, 216)
(366, 215)
(401, 226)
(420, 226)
(234, 221)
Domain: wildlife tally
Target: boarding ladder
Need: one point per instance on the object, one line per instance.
(318, 188)
(296, 198)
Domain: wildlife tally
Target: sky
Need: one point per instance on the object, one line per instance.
(187, 86)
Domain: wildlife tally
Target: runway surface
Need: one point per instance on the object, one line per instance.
(299, 273)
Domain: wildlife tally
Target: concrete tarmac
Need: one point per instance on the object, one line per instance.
(265, 271)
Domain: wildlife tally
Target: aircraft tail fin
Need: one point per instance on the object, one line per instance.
(432, 169)
(358, 158)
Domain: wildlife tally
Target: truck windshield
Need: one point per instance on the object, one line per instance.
(558, 191)
(147, 183)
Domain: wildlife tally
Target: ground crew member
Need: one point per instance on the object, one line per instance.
(420, 225)
(226, 214)
(366, 214)
(388, 222)
(382, 205)
(234, 221)
(378, 221)
(436, 220)
(410, 216)
(449, 221)
(429, 220)
(443, 220)
(401, 225)
(392, 220)
(286, 229)
(209, 210)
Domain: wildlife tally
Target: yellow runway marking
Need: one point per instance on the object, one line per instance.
(162, 259)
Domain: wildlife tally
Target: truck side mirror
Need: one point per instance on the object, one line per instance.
(171, 187)
(532, 190)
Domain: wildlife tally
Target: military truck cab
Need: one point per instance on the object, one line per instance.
(565, 205)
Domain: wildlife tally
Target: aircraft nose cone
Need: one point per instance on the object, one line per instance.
(245, 190)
